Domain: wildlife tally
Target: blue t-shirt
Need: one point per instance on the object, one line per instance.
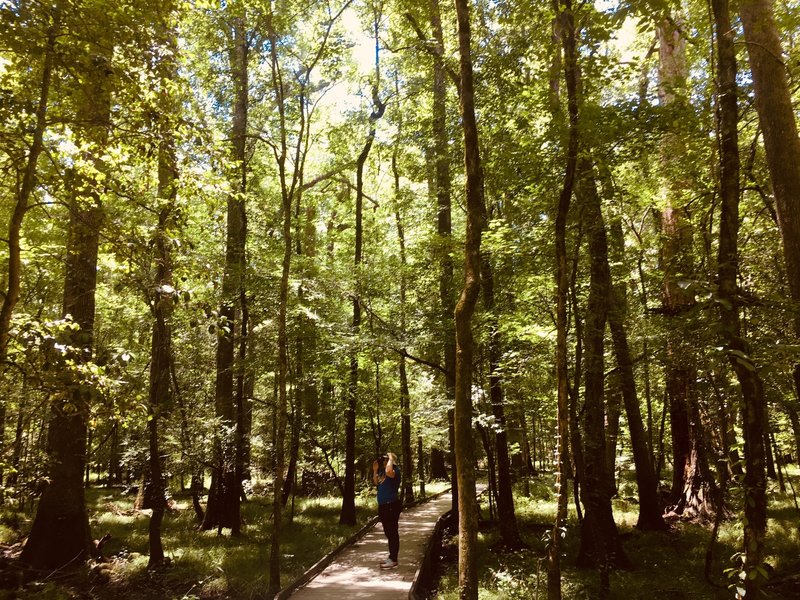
(388, 488)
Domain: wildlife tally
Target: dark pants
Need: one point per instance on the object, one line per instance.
(389, 514)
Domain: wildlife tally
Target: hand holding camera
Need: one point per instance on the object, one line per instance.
(379, 462)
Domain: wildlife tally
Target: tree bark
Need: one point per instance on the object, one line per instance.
(243, 405)
(677, 238)
(438, 467)
(223, 508)
(650, 509)
(16, 455)
(692, 482)
(600, 544)
(476, 217)
(420, 467)
(794, 419)
(564, 26)
(576, 443)
(283, 342)
(776, 116)
(755, 504)
(297, 421)
(60, 536)
(613, 410)
(162, 295)
(441, 156)
(405, 395)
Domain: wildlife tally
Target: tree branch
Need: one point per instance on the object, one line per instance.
(325, 176)
(451, 72)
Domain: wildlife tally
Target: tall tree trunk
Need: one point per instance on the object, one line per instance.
(650, 509)
(770, 458)
(476, 218)
(297, 421)
(527, 458)
(16, 456)
(755, 505)
(441, 154)
(420, 467)
(161, 300)
(23, 196)
(565, 26)
(509, 530)
(438, 467)
(677, 237)
(491, 467)
(282, 406)
(405, 398)
(692, 482)
(776, 116)
(794, 419)
(613, 402)
(405, 395)
(243, 405)
(600, 544)
(405, 434)
(576, 444)
(223, 508)
(280, 412)
(114, 458)
(291, 185)
(60, 535)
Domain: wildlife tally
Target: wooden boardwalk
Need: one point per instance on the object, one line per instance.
(355, 572)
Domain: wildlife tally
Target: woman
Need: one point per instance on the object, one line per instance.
(386, 475)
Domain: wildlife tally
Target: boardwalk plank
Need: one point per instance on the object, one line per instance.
(356, 573)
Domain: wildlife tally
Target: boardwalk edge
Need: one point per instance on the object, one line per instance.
(418, 590)
(320, 565)
(323, 562)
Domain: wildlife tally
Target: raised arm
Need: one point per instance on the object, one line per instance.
(390, 467)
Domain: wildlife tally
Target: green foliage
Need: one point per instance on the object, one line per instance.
(666, 565)
(647, 155)
(202, 564)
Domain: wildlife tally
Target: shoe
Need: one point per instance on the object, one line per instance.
(388, 564)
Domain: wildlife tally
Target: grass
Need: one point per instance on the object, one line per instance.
(203, 565)
(667, 566)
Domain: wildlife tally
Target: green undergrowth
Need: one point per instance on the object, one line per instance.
(201, 564)
(666, 566)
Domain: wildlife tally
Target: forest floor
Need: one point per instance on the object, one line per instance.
(667, 566)
(202, 565)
